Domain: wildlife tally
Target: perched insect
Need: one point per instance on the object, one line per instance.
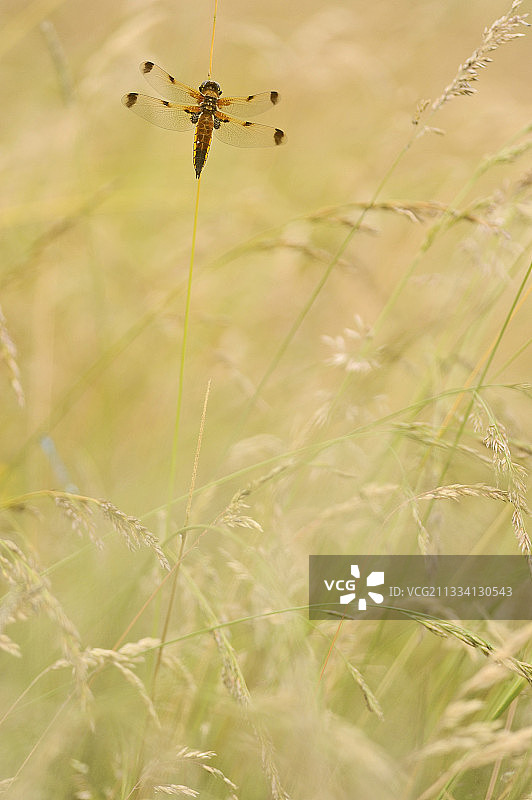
(205, 109)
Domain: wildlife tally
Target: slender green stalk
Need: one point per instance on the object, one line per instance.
(480, 382)
(182, 544)
(175, 443)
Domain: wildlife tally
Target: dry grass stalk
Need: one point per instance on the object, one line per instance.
(134, 533)
(466, 737)
(455, 491)
(345, 349)
(233, 516)
(505, 744)
(416, 211)
(82, 788)
(424, 539)
(79, 511)
(188, 756)
(420, 110)
(219, 774)
(176, 789)
(29, 592)
(81, 517)
(186, 753)
(499, 32)
(310, 252)
(371, 701)
(491, 673)
(29, 595)
(201, 757)
(448, 629)
(8, 354)
(507, 155)
(456, 713)
(9, 646)
(235, 684)
(496, 440)
(124, 660)
(427, 435)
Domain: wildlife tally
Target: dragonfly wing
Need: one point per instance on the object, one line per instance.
(160, 112)
(247, 134)
(166, 85)
(249, 106)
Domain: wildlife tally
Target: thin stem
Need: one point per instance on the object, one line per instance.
(212, 40)
(333, 642)
(181, 553)
(480, 382)
(175, 443)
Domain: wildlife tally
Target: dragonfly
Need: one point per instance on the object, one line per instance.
(205, 109)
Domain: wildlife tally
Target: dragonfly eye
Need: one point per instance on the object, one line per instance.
(212, 85)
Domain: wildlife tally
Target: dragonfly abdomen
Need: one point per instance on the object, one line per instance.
(202, 141)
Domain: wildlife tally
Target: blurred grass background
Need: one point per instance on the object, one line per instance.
(96, 214)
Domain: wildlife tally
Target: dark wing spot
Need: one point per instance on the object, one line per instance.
(274, 97)
(251, 96)
(278, 136)
(130, 99)
(172, 80)
(247, 124)
(147, 66)
(165, 103)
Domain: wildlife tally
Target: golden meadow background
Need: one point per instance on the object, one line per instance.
(319, 437)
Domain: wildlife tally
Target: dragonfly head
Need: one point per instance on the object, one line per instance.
(210, 88)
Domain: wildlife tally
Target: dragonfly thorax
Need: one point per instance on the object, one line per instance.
(209, 105)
